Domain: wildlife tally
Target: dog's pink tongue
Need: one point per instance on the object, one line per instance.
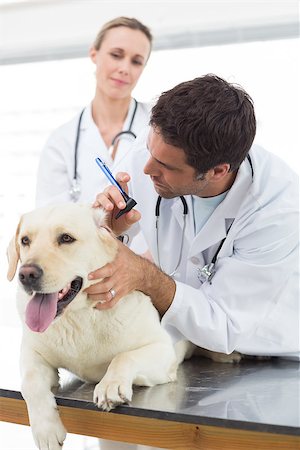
(41, 310)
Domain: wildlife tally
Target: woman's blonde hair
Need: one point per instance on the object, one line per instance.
(132, 23)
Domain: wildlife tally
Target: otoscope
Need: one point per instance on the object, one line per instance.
(130, 202)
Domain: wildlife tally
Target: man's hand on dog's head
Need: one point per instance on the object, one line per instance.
(131, 272)
(122, 276)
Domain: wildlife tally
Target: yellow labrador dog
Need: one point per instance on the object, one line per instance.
(58, 247)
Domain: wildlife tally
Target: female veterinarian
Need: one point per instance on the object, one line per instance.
(107, 127)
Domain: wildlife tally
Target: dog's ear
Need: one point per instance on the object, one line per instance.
(99, 216)
(104, 232)
(13, 255)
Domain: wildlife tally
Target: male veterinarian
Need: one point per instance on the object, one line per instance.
(224, 234)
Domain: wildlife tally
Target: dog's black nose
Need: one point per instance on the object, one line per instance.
(30, 276)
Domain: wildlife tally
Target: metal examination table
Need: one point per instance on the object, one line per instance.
(251, 405)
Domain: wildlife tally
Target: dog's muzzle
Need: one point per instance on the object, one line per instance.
(69, 295)
(44, 307)
(30, 275)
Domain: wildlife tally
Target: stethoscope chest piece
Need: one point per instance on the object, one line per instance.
(206, 273)
(75, 190)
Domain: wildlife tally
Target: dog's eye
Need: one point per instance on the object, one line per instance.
(65, 239)
(25, 240)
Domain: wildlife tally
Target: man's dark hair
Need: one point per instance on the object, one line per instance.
(212, 120)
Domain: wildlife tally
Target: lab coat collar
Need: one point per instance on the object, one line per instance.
(87, 119)
(215, 229)
(177, 210)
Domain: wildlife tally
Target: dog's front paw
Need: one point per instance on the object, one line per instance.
(49, 435)
(110, 393)
(232, 358)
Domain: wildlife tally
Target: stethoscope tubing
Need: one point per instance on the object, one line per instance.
(76, 145)
(157, 214)
(128, 131)
(117, 136)
(185, 212)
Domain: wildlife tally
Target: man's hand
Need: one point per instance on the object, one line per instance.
(129, 272)
(112, 201)
(122, 276)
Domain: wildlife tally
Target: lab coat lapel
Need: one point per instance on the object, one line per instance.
(177, 212)
(219, 222)
(212, 232)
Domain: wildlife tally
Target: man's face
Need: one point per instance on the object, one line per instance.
(170, 173)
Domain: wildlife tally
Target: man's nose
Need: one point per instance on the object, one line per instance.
(150, 167)
(30, 275)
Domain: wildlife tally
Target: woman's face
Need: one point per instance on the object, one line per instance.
(120, 61)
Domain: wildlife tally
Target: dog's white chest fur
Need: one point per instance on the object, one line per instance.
(86, 341)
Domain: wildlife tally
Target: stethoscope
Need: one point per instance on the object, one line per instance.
(207, 272)
(75, 189)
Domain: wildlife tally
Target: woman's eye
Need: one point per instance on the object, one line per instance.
(65, 239)
(25, 240)
(137, 62)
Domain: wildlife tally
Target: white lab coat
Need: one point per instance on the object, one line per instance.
(56, 166)
(252, 304)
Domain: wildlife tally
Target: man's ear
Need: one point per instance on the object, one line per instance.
(13, 255)
(220, 171)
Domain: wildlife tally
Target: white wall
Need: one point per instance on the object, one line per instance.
(41, 29)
